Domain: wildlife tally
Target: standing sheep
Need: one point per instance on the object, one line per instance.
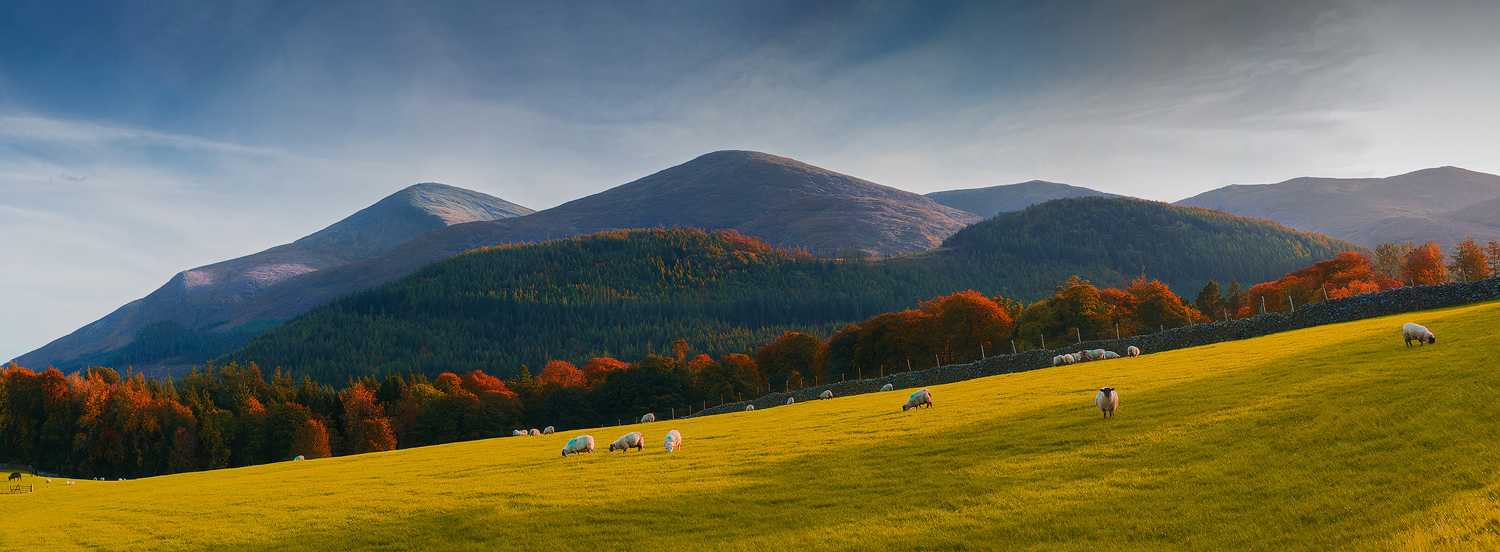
(674, 440)
(648, 418)
(579, 444)
(548, 430)
(918, 399)
(887, 387)
(1107, 399)
(1418, 332)
(826, 394)
(1111, 354)
(627, 441)
(1070, 359)
(791, 400)
(1133, 351)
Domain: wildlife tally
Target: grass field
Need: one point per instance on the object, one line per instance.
(1336, 437)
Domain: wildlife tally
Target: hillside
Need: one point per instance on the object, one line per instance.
(991, 201)
(191, 310)
(1443, 204)
(786, 203)
(1288, 460)
(627, 294)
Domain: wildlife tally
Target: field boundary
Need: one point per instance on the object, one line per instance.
(1333, 311)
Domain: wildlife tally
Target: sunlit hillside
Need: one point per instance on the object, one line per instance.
(1331, 437)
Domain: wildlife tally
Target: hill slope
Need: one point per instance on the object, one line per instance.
(1441, 204)
(203, 299)
(783, 202)
(626, 294)
(991, 201)
(1287, 461)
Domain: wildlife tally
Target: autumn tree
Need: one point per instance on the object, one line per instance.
(1424, 266)
(788, 359)
(310, 440)
(561, 373)
(1157, 306)
(735, 375)
(966, 325)
(1492, 250)
(1389, 257)
(366, 428)
(596, 368)
(1470, 262)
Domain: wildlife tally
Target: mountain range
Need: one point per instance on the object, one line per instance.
(991, 201)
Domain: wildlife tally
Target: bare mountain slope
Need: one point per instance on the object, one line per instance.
(205, 298)
(784, 202)
(991, 201)
(1444, 204)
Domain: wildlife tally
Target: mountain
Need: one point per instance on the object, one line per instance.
(1444, 205)
(786, 203)
(189, 312)
(629, 293)
(991, 201)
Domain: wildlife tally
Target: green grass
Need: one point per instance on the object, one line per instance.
(1336, 437)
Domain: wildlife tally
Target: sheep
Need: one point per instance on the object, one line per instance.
(826, 394)
(674, 440)
(299, 457)
(628, 440)
(1133, 351)
(576, 445)
(791, 400)
(648, 418)
(548, 430)
(517, 433)
(749, 407)
(1094, 354)
(1107, 399)
(1111, 354)
(1070, 359)
(49, 480)
(887, 387)
(1418, 332)
(1057, 360)
(918, 399)
(69, 483)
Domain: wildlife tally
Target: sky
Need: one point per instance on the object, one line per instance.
(142, 138)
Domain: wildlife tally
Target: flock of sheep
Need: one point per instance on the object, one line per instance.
(1107, 400)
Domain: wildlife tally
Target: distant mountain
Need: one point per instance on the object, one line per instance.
(1444, 205)
(786, 203)
(991, 201)
(188, 316)
(629, 293)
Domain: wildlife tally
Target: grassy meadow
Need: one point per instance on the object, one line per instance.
(1336, 437)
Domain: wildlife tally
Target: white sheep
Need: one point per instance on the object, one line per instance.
(1070, 359)
(517, 433)
(548, 430)
(1111, 354)
(648, 418)
(674, 440)
(826, 394)
(1057, 360)
(628, 440)
(49, 480)
(70, 483)
(1417, 332)
(1094, 354)
(1133, 351)
(1107, 399)
(791, 400)
(887, 387)
(534, 432)
(749, 407)
(299, 457)
(918, 399)
(579, 444)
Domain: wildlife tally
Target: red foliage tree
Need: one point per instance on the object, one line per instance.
(561, 373)
(595, 369)
(310, 440)
(1424, 266)
(789, 360)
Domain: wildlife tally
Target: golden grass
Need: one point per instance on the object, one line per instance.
(1324, 438)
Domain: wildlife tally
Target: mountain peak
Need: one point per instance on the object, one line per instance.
(991, 201)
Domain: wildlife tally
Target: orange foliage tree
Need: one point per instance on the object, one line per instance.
(561, 373)
(965, 325)
(1351, 273)
(311, 440)
(1470, 262)
(1424, 266)
(788, 360)
(595, 369)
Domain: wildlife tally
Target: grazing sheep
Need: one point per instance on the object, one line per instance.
(299, 457)
(1418, 332)
(887, 387)
(791, 400)
(628, 440)
(1111, 354)
(749, 407)
(579, 444)
(1133, 351)
(826, 394)
(534, 432)
(548, 430)
(1057, 360)
(49, 480)
(70, 483)
(1107, 399)
(517, 433)
(674, 440)
(1094, 354)
(918, 399)
(648, 418)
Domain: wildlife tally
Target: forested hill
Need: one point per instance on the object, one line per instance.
(1112, 240)
(625, 294)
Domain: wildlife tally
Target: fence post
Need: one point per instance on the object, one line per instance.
(674, 413)
(1077, 336)
(1262, 304)
(908, 365)
(938, 360)
(1290, 305)
(1117, 331)
(981, 351)
(1226, 313)
(1161, 328)
(1044, 340)
(1012, 346)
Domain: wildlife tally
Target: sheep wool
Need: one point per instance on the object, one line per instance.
(791, 400)
(674, 440)
(548, 430)
(1094, 354)
(826, 394)
(749, 407)
(534, 432)
(922, 397)
(1133, 351)
(1107, 399)
(1057, 360)
(648, 418)
(576, 445)
(1111, 354)
(1069, 359)
(1417, 332)
(627, 441)
(887, 387)
(517, 433)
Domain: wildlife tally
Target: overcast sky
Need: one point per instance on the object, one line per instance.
(139, 139)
